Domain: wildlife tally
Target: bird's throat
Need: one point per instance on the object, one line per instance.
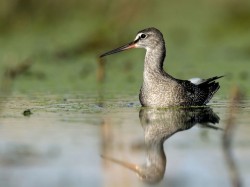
(154, 60)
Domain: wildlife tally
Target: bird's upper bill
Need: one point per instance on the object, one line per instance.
(122, 48)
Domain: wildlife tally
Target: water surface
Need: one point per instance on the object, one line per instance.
(80, 140)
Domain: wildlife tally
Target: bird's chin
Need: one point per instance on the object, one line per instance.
(139, 46)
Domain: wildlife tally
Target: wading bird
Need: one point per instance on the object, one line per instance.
(159, 89)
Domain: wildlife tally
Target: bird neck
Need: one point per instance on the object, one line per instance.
(154, 60)
(155, 153)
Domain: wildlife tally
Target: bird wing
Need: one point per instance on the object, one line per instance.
(201, 93)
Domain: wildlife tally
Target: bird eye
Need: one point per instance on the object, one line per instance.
(143, 36)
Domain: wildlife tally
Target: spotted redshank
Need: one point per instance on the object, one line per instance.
(159, 89)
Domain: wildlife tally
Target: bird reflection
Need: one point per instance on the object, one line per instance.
(158, 126)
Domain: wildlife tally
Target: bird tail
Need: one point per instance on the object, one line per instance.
(211, 80)
(212, 87)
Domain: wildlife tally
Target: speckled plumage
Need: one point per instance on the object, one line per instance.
(159, 89)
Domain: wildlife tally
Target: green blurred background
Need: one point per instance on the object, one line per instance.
(52, 46)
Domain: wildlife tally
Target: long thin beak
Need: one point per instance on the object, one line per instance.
(125, 164)
(119, 49)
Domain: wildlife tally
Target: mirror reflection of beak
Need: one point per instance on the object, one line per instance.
(125, 164)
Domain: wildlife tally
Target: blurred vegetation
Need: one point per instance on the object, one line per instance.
(62, 40)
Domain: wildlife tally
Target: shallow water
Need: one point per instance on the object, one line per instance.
(80, 140)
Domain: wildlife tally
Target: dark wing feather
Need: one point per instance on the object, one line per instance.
(202, 93)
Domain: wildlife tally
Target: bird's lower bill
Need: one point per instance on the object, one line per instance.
(119, 49)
